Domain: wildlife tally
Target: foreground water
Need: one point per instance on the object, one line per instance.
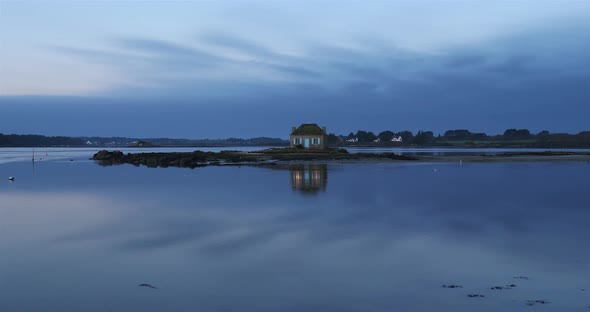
(75, 236)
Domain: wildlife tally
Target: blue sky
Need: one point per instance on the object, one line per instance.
(240, 68)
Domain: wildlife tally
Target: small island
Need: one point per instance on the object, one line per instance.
(267, 156)
(275, 156)
(308, 143)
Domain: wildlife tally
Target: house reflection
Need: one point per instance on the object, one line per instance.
(309, 178)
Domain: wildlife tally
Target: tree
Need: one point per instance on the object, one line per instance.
(365, 136)
(333, 139)
(479, 136)
(385, 136)
(423, 137)
(514, 134)
(407, 136)
(457, 134)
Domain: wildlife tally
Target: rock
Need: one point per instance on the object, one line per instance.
(533, 302)
(200, 158)
(475, 296)
(452, 286)
(503, 287)
(11, 179)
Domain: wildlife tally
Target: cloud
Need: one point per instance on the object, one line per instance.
(232, 59)
(238, 44)
(467, 60)
(536, 79)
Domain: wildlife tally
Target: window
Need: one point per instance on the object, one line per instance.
(295, 141)
(319, 141)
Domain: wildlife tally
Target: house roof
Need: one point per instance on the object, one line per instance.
(308, 129)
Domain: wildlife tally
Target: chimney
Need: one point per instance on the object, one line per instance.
(324, 129)
(293, 129)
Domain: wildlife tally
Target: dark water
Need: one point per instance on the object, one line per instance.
(75, 236)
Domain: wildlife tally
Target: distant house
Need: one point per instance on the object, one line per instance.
(377, 140)
(352, 140)
(309, 136)
(396, 139)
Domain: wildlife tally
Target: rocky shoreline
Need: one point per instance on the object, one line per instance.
(269, 156)
(284, 155)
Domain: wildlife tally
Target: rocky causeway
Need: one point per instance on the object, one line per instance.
(286, 155)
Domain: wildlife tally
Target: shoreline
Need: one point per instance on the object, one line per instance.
(368, 146)
(279, 156)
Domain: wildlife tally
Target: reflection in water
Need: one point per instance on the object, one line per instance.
(385, 238)
(309, 178)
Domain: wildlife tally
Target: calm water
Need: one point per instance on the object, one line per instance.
(75, 236)
(48, 154)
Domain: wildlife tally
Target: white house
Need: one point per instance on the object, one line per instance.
(352, 140)
(396, 139)
(377, 140)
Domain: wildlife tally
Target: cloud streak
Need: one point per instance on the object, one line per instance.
(534, 77)
(232, 59)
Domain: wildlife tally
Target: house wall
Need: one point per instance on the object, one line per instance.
(321, 145)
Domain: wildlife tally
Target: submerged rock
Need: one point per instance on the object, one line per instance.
(147, 285)
(503, 287)
(533, 302)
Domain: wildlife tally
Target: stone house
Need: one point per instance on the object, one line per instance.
(309, 136)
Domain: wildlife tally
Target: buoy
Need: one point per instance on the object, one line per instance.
(10, 178)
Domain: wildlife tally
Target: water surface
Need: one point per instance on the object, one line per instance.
(12, 154)
(76, 236)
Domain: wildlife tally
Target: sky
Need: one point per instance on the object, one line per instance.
(204, 69)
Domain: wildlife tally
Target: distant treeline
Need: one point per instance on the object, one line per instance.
(29, 140)
(17, 140)
(466, 138)
(459, 138)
